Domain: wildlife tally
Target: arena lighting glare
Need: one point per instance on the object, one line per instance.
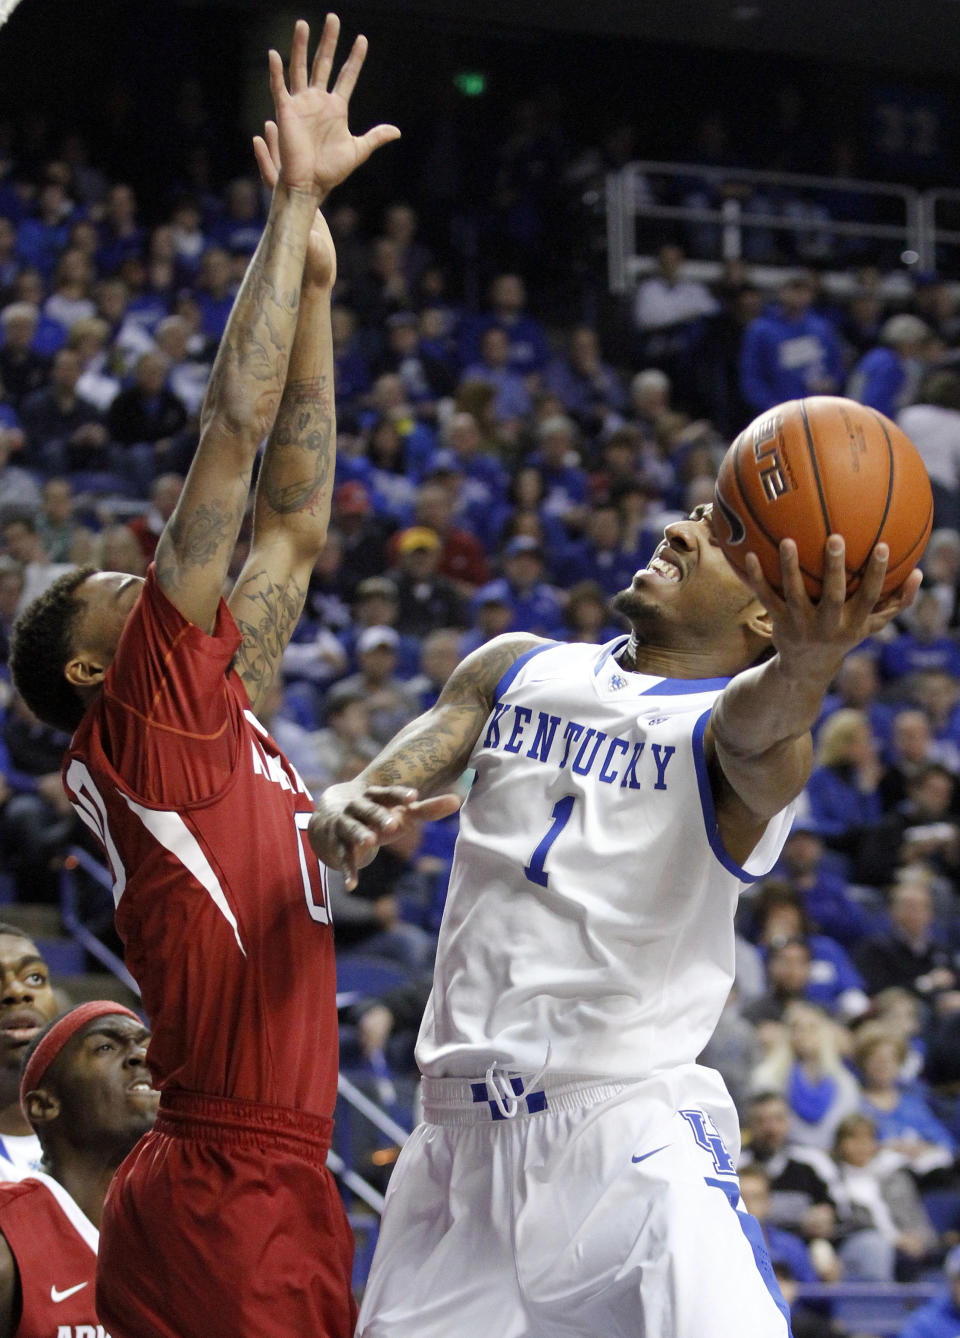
(471, 83)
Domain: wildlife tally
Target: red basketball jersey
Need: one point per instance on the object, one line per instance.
(55, 1247)
(220, 902)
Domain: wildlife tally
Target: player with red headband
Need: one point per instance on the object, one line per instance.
(87, 1092)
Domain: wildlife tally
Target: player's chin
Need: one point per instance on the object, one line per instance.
(637, 600)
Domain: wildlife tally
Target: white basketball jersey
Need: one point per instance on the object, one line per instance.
(591, 901)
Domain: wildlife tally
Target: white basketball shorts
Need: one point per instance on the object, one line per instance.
(603, 1211)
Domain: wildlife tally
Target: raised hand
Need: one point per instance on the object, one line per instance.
(320, 265)
(315, 146)
(836, 623)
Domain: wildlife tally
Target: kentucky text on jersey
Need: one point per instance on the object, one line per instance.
(586, 750)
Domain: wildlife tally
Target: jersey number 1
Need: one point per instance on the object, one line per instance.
(561, 816)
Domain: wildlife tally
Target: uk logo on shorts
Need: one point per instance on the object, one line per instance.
(706, 1136)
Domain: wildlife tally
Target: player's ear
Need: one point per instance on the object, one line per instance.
(43, 1106)
(758, 622)
(84, 670)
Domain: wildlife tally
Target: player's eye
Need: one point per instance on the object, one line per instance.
(36, 978)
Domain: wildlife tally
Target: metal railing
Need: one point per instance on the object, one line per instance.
(630, 199)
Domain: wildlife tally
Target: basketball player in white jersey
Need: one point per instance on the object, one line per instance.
(575, 1170)
(27, 1004)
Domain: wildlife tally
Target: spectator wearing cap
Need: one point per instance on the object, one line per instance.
(425, 378)
(537, 607)
(492, 616)
(887, 377)
(376, 603)
(390, 704)
(939, 1317)
(789, 351)
(462, 556)
(363, 535)
(427, 599)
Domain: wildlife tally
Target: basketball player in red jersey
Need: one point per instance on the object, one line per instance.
(224, 1220)
(87, 1092)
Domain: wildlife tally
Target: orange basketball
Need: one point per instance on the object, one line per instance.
(819, 466)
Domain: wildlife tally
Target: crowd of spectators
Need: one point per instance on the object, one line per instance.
(497, 472)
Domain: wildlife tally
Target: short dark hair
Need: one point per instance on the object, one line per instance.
(41, 644)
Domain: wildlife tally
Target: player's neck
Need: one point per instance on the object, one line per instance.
(85, 1177)
(642, 657)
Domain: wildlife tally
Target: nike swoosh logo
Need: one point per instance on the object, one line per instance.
(737, 530)
(650, 1154)
(62, 1296)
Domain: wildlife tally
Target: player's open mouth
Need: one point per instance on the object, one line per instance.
(142, 1085)
(665, 569)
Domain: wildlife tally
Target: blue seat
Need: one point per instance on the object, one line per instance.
(362, 975)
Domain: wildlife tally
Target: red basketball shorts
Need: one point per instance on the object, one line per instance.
(224, 1222)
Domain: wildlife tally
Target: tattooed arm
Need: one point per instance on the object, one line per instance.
(315, 151)
(292, 505)
(352, 820)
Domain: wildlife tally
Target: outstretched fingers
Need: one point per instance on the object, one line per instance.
(350, 70)
(323, 60)
(266, 150)
(298, 56)
(278, 86)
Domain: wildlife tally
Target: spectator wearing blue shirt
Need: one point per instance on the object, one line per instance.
(925, 645)
(425, 378)
(44, 233)
(512, 401)
(937, 693)
(591, 391)
(602, 555)
(857, 687)
(887, 377)
(842, 790)
(939, 1317)
(790, 351)
(904, 1121)
(834, 982)
(566, 482)
(120, 234)
(464, 440)
(529, 349)
(214, 293)
(536, 606)
(823, 890)
(238, 231)
(351, 371)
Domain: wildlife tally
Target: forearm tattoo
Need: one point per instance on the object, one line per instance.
(271, 612)
(298, 461)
